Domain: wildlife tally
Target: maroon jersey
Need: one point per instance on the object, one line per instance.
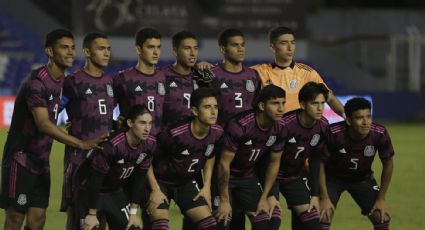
(250, 143)
(351, 160)
(132, 87)
(25, 143)
(178, 89)
(236, 91)
(118, 160)
(182, 155)
(300, 143)
(90, 105)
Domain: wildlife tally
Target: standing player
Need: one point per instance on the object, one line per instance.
(249, 136)
(187, 149)
(352, 146)
(143, 84)
(305, 139)
(113, 183)
(179, 82)
(287, 73)
(89, 104)
(25, 165)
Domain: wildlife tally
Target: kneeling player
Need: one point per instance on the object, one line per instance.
(305, 139)
(186, 149)
(249, 136)
(113, 178)
(351, 148)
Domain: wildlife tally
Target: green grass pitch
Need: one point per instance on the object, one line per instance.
(404, 197)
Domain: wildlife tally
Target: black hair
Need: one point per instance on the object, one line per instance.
(276, 32)
(180, 36)
(146, 33)
(310, 91)
(356, 103)
(201, 93)
(269, 92)
(133, 113)
(53, 36)
(223, 37)
(91, 36)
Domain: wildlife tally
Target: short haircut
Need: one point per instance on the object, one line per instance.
(267, 93)
(311, 90)
(146, 33)
(201, 93)
(180, 36)
(53, 36)
(276, 32)
(356, 103)
(223, 37)
(91, 36)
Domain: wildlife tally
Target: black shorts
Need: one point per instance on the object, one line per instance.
(22, 189)
(246, 193)
(364, 193)
(295, 191)
(113, 206)
(183, 196)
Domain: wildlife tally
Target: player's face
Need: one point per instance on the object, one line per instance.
(314, 109)
(360, 121)
(234, 51)
(141, 126)
(207, 111)
(150, 51)
(99, 52)
(284, 47)
(187, 52)
(62, 53)
(274, 108)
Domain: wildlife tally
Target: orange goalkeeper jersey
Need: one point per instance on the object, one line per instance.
(290, 78)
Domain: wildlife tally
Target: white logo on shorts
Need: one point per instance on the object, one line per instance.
(22, 199)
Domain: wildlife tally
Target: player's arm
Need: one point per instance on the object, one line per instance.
(326, 206)
(94, 183)
(271, 174)
(157, 196)
(314, 166)
(224, 210)
(336, 105)
(207, 171)
(44, 125)
(380, 203)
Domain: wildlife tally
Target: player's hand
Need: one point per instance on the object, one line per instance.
(327, 210)
(91, 144)
(224, 212)
(314, 204)
(381, 207)
(273, 203)
(204, 65)
(90, 222)
(134, 220)
(206, 194)
(263, 206)
(156, 198)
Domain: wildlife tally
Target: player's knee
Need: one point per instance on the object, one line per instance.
(36, 220)
(14, 218)
(208, 223)
(375, 217)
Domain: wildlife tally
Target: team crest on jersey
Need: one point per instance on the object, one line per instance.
(22, 199)
(109, 90)
(249, 86)
(369, 151)
(141, 157)
(271, 141)
(161, 89)
(293, 84)
(210, 149)
(315, 139)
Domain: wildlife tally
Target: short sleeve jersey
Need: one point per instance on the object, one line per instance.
(291, 79)
(351, 160)
(249, 143)
(132, 87)
(183, 155)
(236, 91)
(25, 143)
(118, 160)
(300, 144)
(178, 89)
